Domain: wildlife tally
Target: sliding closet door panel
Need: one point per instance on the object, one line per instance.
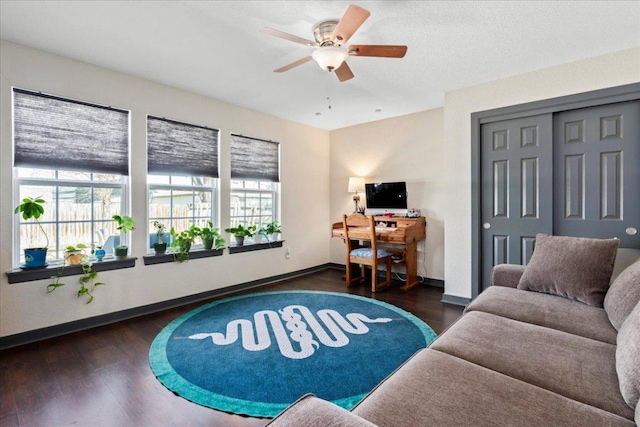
(597, 173)
(517, 169)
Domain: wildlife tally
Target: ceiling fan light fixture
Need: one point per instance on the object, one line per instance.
(329, 57)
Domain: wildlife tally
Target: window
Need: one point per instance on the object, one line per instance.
(78, 209)
(253, 202)
(255, 177)
(74, 155)
(183, 174)
(179, 201)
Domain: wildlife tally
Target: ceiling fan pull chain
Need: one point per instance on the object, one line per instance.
(328, 82)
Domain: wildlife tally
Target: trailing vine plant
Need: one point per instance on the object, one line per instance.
(87, 280)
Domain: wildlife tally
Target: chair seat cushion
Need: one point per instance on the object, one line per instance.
(368, 253)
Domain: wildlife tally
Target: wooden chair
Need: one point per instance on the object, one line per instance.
(371, 256)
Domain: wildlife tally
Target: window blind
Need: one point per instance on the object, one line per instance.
(253, 158)
(176, 148)
(57, 133)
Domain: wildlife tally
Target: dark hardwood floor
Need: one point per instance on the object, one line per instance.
(101, 376)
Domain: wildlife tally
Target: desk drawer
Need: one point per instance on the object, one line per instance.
(403, 223)
(394, 238)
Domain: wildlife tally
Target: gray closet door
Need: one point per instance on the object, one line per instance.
(517, 188)
(597, 173)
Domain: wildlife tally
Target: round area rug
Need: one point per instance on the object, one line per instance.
(256, 354)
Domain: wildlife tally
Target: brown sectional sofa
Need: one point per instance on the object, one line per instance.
(515, 358)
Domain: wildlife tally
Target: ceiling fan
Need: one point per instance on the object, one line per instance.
(330, 36)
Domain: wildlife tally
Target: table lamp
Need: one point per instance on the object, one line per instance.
(356, 183)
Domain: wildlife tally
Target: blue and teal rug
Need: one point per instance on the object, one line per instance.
(256, 354)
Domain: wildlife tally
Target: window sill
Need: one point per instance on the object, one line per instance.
(234, 249)
(197, 254)
(27, 275)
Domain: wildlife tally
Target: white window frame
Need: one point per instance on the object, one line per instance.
(57, 182)
(169, 221)
(275, 193)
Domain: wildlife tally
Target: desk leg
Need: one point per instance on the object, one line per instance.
(411, 259)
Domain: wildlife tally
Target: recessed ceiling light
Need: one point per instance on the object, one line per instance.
(318, 113)
(378, 110)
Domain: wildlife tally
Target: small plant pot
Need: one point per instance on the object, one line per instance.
(100, 253)
(160, 248)
(274, 237)
(239, 240)
(208, 243)
(74, 257)
(35, 257)
(120, 252)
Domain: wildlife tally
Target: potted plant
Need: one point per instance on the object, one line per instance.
(99, 253)
(160, 247)
(270, 231)
(181, 242)
(240, 232)
(31, 208)
(210, 235)
(125, 224)
(74, 254)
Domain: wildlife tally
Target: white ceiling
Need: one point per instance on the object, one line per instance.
(215, 48)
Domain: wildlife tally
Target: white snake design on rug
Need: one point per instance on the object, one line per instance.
(293, 321)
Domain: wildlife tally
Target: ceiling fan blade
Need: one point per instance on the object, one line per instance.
(349, 24)
(343, 72)
(385, 51)
(288, 36)
(293, 64)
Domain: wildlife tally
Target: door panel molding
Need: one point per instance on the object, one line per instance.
(611, 185)
(608, 128)
(574, 186)
(529, 188)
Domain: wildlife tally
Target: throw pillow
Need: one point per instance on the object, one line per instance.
(577, 268)
(623, 295)
(628, 358)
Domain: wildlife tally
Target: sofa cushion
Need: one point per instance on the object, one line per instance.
(436, 389)
(575, 367)
(309, 411)
(628, 358)
(623, 295)
(546, 310)
(507, 275)
(573, 267)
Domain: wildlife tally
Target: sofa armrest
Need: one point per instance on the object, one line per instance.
(310, 411)
(507, 275)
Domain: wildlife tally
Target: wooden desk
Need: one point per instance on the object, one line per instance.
(400, 236)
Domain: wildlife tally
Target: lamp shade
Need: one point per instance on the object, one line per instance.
(329, 57)
(356, 183)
